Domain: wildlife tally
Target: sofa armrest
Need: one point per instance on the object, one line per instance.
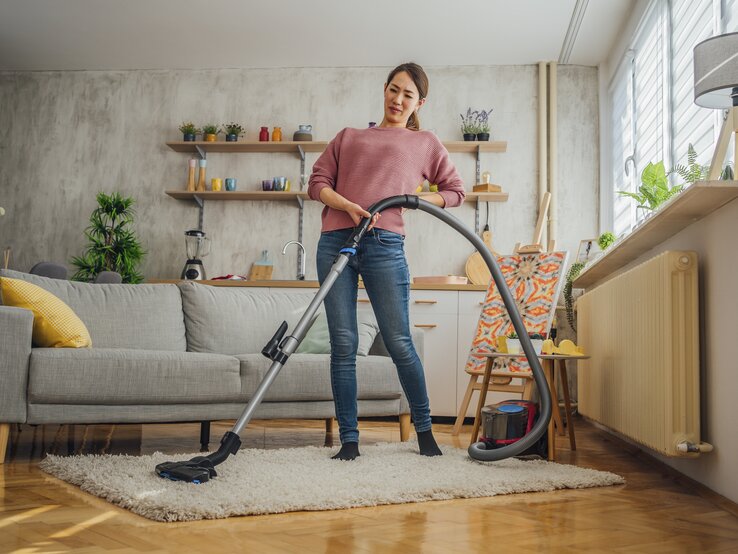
(379, 349)
(16, 332)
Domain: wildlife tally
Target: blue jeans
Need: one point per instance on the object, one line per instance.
(380, 259)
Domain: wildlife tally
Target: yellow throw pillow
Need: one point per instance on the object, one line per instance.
(54, 323)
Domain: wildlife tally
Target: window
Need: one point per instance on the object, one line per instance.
(651, 97)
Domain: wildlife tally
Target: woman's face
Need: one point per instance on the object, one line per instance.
(401, 99)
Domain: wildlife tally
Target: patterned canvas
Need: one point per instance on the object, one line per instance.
(535, 282)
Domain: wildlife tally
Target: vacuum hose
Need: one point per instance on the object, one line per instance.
(478, 450)
(201, 469)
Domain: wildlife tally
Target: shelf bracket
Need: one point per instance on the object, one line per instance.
(300, 221)
(479, 165)
(201, 210)
(302, 167)
(476, 216)
(203, 154)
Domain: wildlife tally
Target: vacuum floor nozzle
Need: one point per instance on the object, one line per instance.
(197, 470)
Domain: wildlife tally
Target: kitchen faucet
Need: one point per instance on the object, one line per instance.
(300, 261)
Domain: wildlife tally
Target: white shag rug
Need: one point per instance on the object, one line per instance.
(275, 481)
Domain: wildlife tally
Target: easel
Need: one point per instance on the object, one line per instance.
(536, 247)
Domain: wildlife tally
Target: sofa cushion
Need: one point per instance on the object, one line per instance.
(317, 339)
(307, 377)
(236, 320)
(123, 376)
(146, 317)
(54, 323)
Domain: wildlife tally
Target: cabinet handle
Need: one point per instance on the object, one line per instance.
(427, 325)
(363, 301)
(426, 301)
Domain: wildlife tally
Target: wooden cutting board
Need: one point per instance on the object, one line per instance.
(476, 269)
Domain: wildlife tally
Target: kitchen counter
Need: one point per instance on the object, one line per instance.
(288, 284)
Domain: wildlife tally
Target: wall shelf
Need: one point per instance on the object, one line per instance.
(696, 202)
(291, 196)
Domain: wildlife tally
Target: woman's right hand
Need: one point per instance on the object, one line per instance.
(356, 213)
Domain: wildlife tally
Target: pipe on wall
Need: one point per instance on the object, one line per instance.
(552, 151)
(542, 137)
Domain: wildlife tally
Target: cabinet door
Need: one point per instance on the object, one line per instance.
(434, 312)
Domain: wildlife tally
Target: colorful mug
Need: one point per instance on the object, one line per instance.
(230, 184)
(216, 184)
(279, 183)
(266, 184)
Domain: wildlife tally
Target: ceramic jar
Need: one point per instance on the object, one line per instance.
(264, 134)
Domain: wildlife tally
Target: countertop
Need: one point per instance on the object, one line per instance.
(278, 283)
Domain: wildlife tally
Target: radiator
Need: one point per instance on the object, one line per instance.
(641, 330)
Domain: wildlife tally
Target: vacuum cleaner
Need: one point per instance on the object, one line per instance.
(201, 469)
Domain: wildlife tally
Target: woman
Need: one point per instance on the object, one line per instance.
(358, 168)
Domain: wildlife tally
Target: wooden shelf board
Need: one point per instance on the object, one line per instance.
(237, 195)
(248, 146)
(292, 195)
(696, 202)
(314, 146)
(471, 146)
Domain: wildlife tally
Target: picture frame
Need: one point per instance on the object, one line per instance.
(588, 250)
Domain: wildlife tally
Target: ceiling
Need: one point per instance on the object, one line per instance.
(191, 34)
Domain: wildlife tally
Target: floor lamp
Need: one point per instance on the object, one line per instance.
(716, 86)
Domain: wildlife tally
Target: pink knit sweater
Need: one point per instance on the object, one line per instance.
(367, 165)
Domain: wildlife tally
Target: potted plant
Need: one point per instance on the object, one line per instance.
(233, 131)
(188, 131)
(513, 343)
(113, 245)
(210, 132)
(483, 124)
(654, 189)
(469, 124)
(605, 240)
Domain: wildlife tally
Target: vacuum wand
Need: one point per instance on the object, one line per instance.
(201, 468)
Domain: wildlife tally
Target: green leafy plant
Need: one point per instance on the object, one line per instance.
(233, 129)
(483, 121)
(654, 189)
(512, 335)
(693, 171)
(113, 245)
(605, 240)
(574, 271)
(188, 128)
(210, 129)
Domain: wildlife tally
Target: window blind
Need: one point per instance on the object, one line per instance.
(692, 21)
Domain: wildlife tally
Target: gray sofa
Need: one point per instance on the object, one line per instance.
(174, 353)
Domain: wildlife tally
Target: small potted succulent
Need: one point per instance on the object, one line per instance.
(210, 132)
(188, 131)
(469, 124)
(233, 131)
(483, 124)
(513, 343)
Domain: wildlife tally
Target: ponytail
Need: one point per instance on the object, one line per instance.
(413, 122)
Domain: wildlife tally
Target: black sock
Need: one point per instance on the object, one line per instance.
(349, 451)
(427, 444)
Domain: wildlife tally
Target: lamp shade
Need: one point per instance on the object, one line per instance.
(716, 71)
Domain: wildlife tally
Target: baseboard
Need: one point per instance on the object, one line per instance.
(637, 452)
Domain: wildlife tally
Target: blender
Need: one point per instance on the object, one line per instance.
(198, 246)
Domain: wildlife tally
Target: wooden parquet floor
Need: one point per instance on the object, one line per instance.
(654, 512)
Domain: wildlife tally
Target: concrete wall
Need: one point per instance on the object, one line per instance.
(64, 136)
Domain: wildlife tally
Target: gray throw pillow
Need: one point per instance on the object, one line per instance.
(317, 339)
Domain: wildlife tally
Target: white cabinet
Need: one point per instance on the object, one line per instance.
(435, 313)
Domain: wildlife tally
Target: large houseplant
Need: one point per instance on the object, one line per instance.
(654, 189)
(113, 245)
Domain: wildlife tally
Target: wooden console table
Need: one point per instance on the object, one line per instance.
(549, 364)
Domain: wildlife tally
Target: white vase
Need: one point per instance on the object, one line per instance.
(513, 346)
